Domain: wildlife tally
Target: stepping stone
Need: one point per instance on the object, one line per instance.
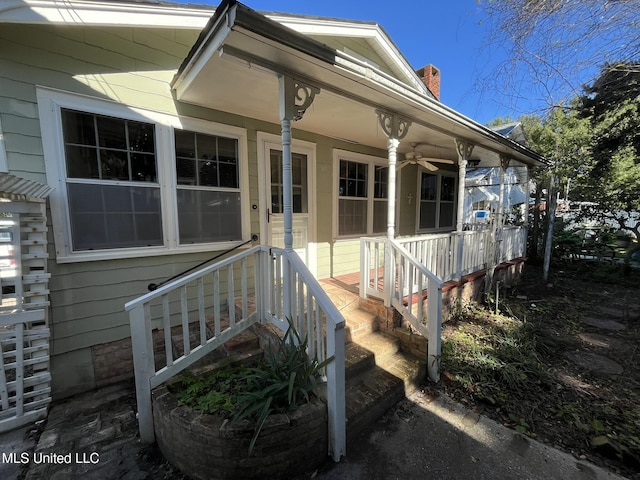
(603, 341)
(613, 311)
(596, 363)
(604, 324)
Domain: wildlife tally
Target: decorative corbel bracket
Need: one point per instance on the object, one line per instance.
(295, 97)
(504, 162)
(464, 149)
(394, 126)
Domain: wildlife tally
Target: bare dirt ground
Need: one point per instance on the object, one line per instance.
(559, 363)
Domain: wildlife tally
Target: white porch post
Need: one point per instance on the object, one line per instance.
(395, 128)
(464, 150)
(295, 97)
(504, 163)
(525, 205)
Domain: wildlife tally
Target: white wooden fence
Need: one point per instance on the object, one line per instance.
(198, 313)
(25, 378)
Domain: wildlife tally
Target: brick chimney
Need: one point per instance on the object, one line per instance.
(430, 76)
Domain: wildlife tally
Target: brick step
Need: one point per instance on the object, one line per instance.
(357, 360)
(368, 396)
(389, 357)
(359, 323)
(381, 344)
(411, 370)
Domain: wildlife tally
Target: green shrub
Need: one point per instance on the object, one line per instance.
(283, 381)
(287, 379)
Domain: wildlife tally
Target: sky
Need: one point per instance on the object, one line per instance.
(448, 34)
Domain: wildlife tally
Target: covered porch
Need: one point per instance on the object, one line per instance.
(272, 74)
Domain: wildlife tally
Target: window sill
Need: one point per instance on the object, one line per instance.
(120, 254)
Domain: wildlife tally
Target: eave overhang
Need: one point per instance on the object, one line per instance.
(117, 14)
(235, 62)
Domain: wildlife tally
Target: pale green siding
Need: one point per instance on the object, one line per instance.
(346, 257)
(408, 185)
(132, 67)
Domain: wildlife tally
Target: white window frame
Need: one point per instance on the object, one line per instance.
(50, 103)
(372, 162)
(4, 165)
(439, 174)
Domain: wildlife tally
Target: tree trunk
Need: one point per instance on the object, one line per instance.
(535, 232)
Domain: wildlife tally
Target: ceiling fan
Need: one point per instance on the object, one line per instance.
(416, 158)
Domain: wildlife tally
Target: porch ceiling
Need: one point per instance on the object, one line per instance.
(235, 64)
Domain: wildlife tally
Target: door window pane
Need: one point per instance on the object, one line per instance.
(299, 182)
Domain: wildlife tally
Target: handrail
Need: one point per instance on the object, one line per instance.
(154, 286)
(411, 278)
(196, 304)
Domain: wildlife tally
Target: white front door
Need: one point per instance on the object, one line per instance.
(272, 223)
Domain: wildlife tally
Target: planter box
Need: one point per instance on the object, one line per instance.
(211, 447)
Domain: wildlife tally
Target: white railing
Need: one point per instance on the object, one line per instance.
(401, 270)
(408, 279)
(450, 255)
(513, 243)
(196, 314)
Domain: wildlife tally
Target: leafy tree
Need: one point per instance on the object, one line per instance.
(612, 105)
(552, 46)
(562, 136)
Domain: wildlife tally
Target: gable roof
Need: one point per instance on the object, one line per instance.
(282, 43)
(373, 33)
(148, 14)
(255, 49)
(514, 131)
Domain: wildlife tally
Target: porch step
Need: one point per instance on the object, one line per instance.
(388, 356)
(359, 323)
(368, 396)
(357, 360)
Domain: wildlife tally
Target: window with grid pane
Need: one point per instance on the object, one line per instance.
(353, 200)
(437, 201)
(208, 191)
(112, 184)
(381, 174)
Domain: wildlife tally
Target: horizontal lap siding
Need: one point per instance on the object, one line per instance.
(346, 257)
(134, 67)
(87, 299)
